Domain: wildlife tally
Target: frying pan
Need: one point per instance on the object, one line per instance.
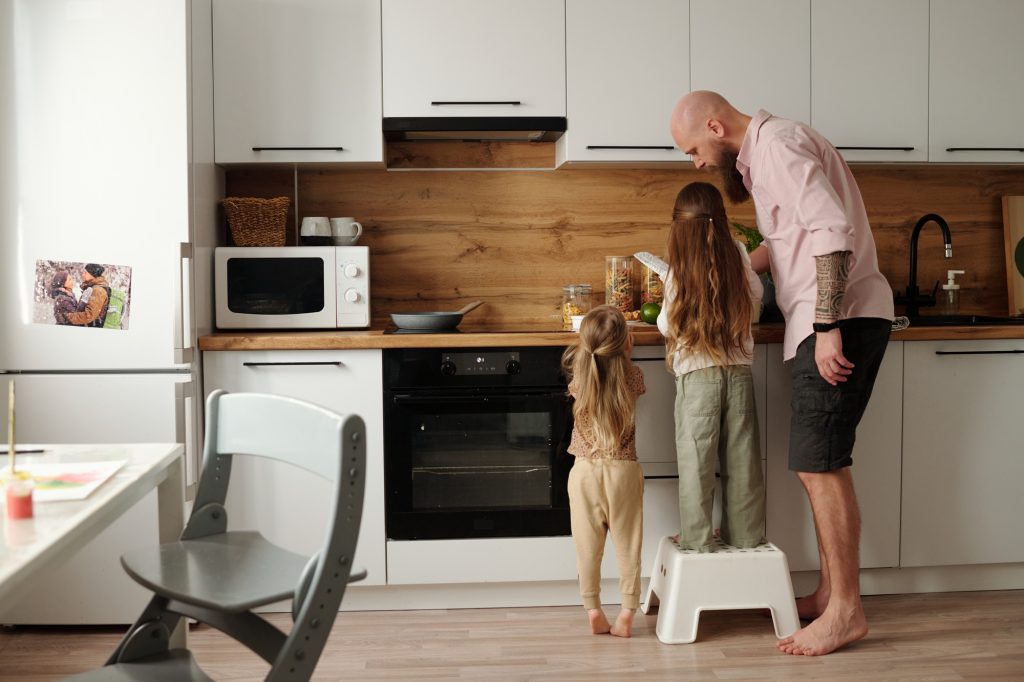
(432, 321)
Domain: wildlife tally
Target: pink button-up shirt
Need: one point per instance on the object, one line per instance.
(808, 205)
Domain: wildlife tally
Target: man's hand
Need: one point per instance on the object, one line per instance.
(828, 355)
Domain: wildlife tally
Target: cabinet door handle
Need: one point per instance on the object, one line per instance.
(322, 363)
(885, 149)
(511, 103)
(985, 149)
(980, 352)
(298, 149)
(629, 146)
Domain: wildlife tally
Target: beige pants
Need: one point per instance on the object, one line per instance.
(607, 495)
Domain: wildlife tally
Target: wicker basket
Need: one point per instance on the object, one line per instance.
(257, 222)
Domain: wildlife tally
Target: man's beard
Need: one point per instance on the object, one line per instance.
(732, 179)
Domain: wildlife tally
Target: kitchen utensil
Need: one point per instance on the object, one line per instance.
(345, 231)
(432, 321)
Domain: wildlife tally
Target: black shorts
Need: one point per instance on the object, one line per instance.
(825, 417)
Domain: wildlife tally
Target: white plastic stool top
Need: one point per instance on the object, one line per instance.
(686, 582)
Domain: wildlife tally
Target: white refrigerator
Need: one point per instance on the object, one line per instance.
(106, 139)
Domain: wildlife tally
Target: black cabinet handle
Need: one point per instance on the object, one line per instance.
(885, 149)
(298, 149)
(512, 103)
(628, 146)
(985, 149)
(980, 352)
(323, 363)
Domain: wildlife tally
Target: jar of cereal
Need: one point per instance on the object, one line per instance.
(652, 289)
(618, 282)
(575, 301)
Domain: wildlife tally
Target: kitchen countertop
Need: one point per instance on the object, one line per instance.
(643, 335)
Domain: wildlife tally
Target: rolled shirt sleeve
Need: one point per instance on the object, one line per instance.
(800, 177)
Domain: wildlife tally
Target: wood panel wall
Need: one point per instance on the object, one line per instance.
(513, 238)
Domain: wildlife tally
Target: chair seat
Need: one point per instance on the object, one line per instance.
(234, 571)
(176, 665)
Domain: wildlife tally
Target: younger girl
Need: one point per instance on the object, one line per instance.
(606, 483)
(711, 294)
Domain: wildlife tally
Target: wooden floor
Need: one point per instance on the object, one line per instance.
(934, 637)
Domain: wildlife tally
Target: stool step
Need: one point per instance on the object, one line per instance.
(686, 582)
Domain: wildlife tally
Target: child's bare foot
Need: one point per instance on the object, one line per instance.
(598, 622)
(624, 623)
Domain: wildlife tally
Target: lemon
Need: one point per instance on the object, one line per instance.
(649, 313)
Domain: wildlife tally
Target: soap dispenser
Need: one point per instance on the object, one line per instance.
(950, 304)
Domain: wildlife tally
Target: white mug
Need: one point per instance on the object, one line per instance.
(315, 227)
(345, 231)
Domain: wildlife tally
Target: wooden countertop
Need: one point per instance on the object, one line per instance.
(643, 335)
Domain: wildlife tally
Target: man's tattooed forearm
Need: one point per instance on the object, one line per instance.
(833, 271)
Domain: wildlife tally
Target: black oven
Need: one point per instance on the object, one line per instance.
(475, 443)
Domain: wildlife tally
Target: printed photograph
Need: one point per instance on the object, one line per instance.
(78, 294)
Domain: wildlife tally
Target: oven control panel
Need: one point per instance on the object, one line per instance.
(480, 362)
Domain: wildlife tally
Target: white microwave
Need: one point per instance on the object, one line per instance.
(292, 287)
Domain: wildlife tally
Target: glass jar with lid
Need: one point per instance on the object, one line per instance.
(652, 289)
(576, 299)
(618, 282)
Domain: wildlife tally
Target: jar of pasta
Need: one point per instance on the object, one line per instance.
(618, 282)
(575, 301)
(652, 289)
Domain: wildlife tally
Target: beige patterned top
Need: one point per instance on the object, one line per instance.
(582, 443)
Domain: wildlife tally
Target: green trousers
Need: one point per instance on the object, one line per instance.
(716, 418)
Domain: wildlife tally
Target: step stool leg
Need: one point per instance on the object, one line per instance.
(785, 618)
(677, 622)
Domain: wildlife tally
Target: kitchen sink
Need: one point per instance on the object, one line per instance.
(962, 320)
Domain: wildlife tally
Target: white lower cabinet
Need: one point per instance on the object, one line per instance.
(963, 458)
(876, 469)
(288, 505)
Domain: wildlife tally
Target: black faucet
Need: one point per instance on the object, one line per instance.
(914, 299)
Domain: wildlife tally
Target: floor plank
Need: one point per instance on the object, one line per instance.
(914, 638)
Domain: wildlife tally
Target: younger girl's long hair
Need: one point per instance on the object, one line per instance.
(712, 309)
(598, 364)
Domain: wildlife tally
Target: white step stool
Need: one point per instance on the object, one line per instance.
(687, 582)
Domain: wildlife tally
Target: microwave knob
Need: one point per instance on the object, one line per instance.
(513, 367)
(448, 368)
(351, 271)
(351, 295)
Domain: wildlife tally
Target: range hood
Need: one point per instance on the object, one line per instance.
(476, 128)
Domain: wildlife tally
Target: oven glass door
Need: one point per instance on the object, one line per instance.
(276, 286)
(477, 465)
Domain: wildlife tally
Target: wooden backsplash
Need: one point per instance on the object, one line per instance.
(512, 238)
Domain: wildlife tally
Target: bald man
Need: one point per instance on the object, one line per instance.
(838, 309)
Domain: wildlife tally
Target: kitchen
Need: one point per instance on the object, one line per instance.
(512, 236)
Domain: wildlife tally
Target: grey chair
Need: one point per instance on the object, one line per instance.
(217, 576)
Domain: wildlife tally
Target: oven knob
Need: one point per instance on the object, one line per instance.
(351, 271)
(351, 295)
(448, 368)
(513, 367)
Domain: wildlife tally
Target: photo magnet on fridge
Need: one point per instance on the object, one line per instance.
(75, 294)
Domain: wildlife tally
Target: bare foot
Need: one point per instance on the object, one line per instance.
(811, 606)
(624, 623)
(598, 622)
(835, 628)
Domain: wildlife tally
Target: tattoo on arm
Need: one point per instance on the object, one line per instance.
(833, 271)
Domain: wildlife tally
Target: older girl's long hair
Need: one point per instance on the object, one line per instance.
(598, 364)
(712, 309)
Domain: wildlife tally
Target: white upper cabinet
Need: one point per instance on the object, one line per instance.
(297, 81)
(869, 77)
(756, 54)
(976, 99)
(626, 65)
(474, 58)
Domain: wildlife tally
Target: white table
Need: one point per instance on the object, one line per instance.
(59, 529)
